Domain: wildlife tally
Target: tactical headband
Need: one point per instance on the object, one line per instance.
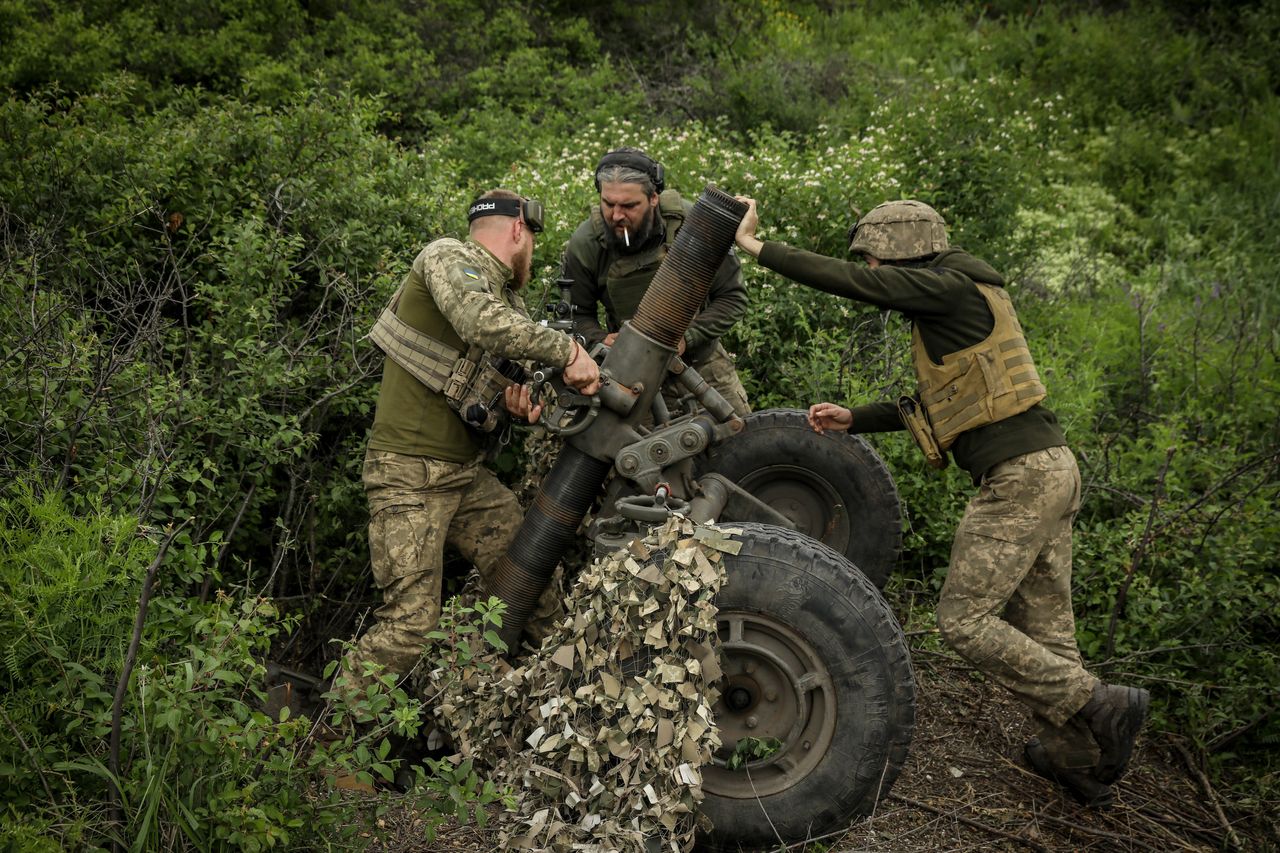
(633, 160)
(528, 209)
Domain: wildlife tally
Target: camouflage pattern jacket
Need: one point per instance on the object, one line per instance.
(459, 294)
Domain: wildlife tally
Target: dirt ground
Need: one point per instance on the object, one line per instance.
(965, 787)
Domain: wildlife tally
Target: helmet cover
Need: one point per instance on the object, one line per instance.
(899, 231)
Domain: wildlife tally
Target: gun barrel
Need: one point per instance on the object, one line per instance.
(680, 286)
(638, 359)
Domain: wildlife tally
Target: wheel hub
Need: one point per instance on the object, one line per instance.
(775, 687)
(811, 503)
(739, 698)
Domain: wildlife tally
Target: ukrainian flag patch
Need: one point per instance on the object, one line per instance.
(471, 273)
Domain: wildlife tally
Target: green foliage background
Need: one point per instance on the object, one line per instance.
(202, 212)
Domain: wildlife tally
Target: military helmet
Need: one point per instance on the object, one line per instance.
(899, 231)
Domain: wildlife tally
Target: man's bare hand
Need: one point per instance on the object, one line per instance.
(746, 234)
(829, 416)
(519, 402)
(582, 372)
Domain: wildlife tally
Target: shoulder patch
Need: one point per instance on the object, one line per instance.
(464, 276)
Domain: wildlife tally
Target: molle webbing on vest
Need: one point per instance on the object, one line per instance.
(987, 382)
(464, 382)
(425, 358)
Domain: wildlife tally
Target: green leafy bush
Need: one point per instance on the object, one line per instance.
(201, 766)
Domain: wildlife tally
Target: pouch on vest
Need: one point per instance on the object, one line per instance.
(471, 384)
(917, 423)
(483, 409)
(480, 402)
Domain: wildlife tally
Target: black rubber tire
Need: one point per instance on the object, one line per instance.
(834, 485)
(854, 672)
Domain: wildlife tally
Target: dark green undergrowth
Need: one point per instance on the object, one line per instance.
(202, 213)
(200, 764)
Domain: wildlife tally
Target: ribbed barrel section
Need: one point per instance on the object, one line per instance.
(680, 286)
(675, 295)
(548, 527)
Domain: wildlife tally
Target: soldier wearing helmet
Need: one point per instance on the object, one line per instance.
(1006, 603)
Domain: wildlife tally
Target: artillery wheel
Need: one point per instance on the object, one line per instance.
(833, 487)
(812, 656)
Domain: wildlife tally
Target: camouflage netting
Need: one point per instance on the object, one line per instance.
(541, 449)
(603, 731)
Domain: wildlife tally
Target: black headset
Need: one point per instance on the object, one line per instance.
(527, 208)
(634, 158)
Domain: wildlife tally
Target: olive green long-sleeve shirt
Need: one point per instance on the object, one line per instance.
(951, 314)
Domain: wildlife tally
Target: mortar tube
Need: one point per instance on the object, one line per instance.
(680, 286)
(639, 357)
(522, 573)
(646, 342)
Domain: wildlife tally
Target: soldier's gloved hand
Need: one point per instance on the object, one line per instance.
(825, 416)
(581, 371)
(518, 401)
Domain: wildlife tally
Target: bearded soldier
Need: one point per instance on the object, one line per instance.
(451, 335)
(1005, 606)
(614, 254)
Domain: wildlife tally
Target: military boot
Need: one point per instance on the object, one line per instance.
(1085, 789)
(1115, 715)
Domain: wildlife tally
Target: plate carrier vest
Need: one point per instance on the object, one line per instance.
(465, 380)
(979, 385)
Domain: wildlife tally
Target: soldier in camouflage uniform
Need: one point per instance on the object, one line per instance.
(1006, 602)
(614, 254)
(422, 471)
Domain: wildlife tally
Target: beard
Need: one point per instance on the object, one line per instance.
(638, 236)
(522, 265)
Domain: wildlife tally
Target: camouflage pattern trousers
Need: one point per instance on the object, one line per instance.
(718, 370)
(1006, 604)
(417, 506)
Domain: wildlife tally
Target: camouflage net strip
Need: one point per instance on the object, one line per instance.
(603, 731)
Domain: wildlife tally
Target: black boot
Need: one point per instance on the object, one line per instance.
(1115, 715)
(1085, 789)
(429, 743)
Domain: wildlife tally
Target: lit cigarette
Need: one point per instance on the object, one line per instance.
(626, 235)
